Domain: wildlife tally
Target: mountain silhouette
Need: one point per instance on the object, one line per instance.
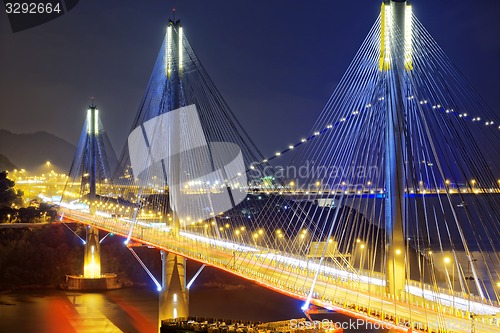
(31, 151)
(5, 164)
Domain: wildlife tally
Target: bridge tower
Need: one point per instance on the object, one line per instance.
(174, 297)
(395, 60)
(92, 165)
(92, 252)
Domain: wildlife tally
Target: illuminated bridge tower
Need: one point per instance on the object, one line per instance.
(92, 252)
(395, 61)
(89, 176)
(174, 297)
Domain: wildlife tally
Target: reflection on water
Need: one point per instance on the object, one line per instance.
(127, 310)
(135, 310)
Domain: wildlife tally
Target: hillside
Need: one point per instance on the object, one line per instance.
(32, 150)
(5, 164)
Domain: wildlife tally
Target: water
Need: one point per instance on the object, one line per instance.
(57, 311)
(135, 310)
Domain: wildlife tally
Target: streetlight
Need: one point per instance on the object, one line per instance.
(255, 237)
(278, 238)
(447, 260)
(362, 247)
(469, 278)
(48, 164)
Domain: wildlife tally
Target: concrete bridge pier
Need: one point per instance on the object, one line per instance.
(174, 296)
(92, 256)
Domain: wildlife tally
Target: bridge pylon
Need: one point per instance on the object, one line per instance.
(92, 253)
(174, 296)
(394, 61)
(90, 167)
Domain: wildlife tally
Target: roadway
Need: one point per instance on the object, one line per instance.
(355, 295)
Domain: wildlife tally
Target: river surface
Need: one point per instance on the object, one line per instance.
(57, 311)
(135, 310)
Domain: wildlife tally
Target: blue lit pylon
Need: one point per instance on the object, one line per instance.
(92, 256)
(395, 59)
(174, 300)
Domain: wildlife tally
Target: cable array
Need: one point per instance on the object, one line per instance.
(191, 181)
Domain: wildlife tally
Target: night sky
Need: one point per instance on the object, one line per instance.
(276, 62)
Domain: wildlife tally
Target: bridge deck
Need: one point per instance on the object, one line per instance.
(348, 292)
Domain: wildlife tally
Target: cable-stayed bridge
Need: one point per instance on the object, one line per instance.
(388, 211)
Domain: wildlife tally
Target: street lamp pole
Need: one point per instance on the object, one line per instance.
(362, 255)
(447, 260)
(469, 278)
(453, 283)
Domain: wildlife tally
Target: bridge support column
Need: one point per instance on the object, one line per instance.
(92, 258)
(92, 255)
(395, 61)
(174, 297)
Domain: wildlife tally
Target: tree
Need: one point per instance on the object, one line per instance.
(8, 195)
